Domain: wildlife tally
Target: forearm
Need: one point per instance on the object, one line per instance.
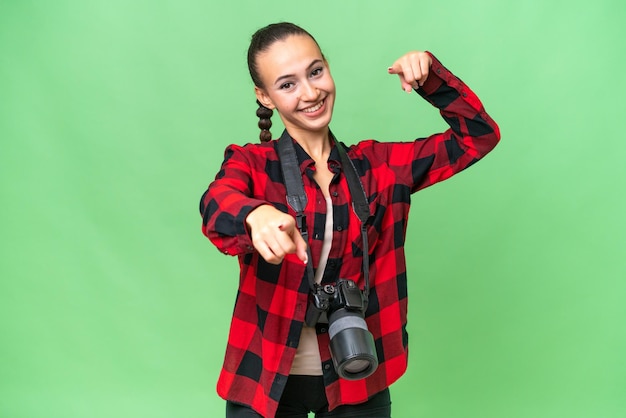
(226, 204)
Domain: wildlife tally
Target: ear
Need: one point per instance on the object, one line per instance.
(263, 97)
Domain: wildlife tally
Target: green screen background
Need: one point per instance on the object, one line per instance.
(113, 120)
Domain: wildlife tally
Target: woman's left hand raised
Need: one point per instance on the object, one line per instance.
(412, 68)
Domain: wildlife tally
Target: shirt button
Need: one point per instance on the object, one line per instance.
(327, 366)
(335, 194)
(323, 330)
(339, 228)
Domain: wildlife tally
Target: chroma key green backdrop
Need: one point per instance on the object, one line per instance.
(113, 120)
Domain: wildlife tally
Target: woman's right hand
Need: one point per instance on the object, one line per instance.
(275, 234)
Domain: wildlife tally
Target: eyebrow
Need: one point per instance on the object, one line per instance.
(282, 77)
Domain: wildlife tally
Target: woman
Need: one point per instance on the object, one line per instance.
(275, 365)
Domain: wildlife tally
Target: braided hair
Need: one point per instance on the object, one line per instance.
(265, 123)
(261, 41)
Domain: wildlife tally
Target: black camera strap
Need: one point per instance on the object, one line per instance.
(360, 206)
(297, 199)
(296, 196)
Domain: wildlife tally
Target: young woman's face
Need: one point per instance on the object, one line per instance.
(297, 83)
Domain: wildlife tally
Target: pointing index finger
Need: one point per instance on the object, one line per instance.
(396, 68)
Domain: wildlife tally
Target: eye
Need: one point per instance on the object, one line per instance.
(316, 72)
(286, 86)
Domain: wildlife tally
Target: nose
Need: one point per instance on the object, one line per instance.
(309, 92)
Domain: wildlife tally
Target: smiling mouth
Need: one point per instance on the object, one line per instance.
(314, 108)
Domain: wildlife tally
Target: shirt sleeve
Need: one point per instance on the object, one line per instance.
(472, 134)
(228, 201)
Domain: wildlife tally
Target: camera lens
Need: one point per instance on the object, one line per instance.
(357, 366)
(351, 345)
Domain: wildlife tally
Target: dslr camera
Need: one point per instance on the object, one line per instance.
(352, 346)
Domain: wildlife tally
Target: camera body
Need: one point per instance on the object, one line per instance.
(330, 298)
(352, 346)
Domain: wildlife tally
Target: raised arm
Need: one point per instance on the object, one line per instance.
(472, 133)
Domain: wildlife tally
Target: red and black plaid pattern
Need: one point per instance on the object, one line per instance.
(272, 299)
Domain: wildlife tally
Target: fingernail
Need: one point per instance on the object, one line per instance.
(306, 259)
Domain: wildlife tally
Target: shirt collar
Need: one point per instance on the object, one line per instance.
(305, 160)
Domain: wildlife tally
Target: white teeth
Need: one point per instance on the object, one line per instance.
(314, 108)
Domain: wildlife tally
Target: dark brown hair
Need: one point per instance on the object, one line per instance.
(261, 41)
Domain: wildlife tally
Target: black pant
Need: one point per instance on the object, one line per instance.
(304, 394)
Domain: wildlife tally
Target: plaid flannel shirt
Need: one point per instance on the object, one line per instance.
(272, 299)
